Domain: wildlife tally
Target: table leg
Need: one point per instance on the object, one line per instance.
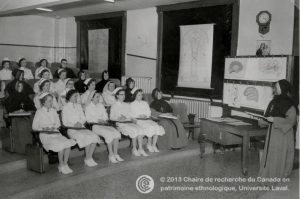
(245, 152)
(201, 141)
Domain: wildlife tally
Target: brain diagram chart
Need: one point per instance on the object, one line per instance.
(252, 96)
(256, 68)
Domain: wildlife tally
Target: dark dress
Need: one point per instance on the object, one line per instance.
(175, 137)
(100, 85)
(128, 95)
(80, 86)
(70, 73)
(278, 155)
(27, 90)
(21, 125)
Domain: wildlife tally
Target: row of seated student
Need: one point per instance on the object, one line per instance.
(33, 72)
(80, 102)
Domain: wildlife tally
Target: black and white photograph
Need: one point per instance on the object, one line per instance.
(160, 99)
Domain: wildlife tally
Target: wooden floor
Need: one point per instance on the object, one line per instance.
(118, 180)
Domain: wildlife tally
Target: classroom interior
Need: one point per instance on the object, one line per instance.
(144, 40)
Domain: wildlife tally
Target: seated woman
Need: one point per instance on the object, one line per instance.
(44, 87)
(130, 84)
(44, 74)
(86, 97)
(2, 90)
(140, 110)
(107, 94)
(64, 65)
(96, 113)
(79, 84)
(69, 85)
(47, 119)
(278, 156)
(175, 137)
(2, 98)
(19, 102)
(120, 112)
(73, 116)
(23, 66)
(43, 64)
(105, 78)
(19, 77)
(5, 72)
(60, 85)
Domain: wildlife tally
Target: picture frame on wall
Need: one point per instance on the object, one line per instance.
(263, 48)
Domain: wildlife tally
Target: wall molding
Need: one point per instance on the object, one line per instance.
(139, 56)
(36, 46)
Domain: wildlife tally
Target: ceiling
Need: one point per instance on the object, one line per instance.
(70, 8)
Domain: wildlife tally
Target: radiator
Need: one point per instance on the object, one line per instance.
(195, 106)
(143, 83)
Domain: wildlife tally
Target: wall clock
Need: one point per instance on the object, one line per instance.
(263, 19)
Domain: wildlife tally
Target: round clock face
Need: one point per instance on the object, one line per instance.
(264, 18)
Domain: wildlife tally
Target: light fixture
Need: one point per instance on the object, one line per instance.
(45, 9)
(111, 1)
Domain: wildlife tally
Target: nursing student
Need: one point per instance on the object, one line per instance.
(126, 124)
(43, 74)
(23, 66)
(108, 96)
(43, 64)
(96, 113)
(5, 72)
(44, 87)
(74, 118)
(140, 110)
(60, 85)
(86, 97)
(69, 85)
(47, 120)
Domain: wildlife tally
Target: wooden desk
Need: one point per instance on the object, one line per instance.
(244, 131)
(19, 132)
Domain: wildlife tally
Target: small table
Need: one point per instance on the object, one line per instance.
(244, 131)
(191, 127)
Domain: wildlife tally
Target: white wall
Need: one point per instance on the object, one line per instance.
(42, 34)
(281, 27)
(141, 40)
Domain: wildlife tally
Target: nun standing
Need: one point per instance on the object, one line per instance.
(278, 154)
(73, 116)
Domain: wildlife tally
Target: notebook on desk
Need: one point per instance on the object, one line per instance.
(19, 114)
